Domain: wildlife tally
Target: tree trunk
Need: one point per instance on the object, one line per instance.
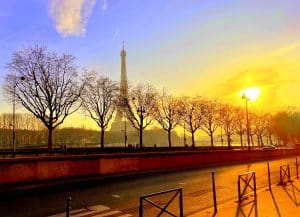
(141, 137)
(270, 139)
(228, 141)
(261, 140)
(251, 140)
(50, 130)
(193, 139)
(211, 139)
(169, 138)
(102, 138)
(241, 139)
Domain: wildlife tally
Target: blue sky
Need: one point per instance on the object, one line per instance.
(190, 47)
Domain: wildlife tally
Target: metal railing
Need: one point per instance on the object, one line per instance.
(249, 187)
(285, 174)
(163, 209)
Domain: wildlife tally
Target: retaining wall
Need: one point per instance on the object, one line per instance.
(26, 170)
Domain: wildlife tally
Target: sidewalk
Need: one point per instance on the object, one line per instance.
(282, 201)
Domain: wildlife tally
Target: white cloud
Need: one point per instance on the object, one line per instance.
(71, 16)
(104, 5)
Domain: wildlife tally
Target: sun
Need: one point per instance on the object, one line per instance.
(251, 93)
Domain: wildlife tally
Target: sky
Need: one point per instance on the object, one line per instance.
(190, 47)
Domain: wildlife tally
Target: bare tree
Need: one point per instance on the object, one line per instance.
(99, 99)
(240, 123)
(46, 84)
(269, 127)
(260, 126)
(228, 121)
(167, 113)
(210, 118)
(192, 115)
(140, 106)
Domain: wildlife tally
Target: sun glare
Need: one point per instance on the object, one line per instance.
(251, 93)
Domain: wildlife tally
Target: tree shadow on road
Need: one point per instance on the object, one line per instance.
(247, 208)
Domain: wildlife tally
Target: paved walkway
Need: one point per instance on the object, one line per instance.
(282, 201)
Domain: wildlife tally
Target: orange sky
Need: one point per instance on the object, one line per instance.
(210, 48)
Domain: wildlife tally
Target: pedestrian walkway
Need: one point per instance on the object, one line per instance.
(94, 211)
(282, 201)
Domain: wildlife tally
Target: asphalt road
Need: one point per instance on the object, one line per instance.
(121, 197)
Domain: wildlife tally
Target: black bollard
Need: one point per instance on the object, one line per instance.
(68, 206)
(214, 192)
(269, 177)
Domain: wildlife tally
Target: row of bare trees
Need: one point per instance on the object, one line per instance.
(32, 129)
(51, 87)
(144, 105)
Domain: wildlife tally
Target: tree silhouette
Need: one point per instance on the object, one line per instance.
(240, 123)
(49, 88)
(99, 99)
(228, 121)
(167, 113)
(191, 115)
(210, 118)
(140, 106)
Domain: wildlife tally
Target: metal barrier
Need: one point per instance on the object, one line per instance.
(178, 191)
(285, 173)
(249, 181)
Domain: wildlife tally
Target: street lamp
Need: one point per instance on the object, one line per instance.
(140, 110)
(22, 78)
(247, 119)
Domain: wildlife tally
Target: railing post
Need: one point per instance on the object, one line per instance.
(239, 189)
(269, 177)
(254, 176)
(297, 168)
(68, 203)
(141, 207)
(214, 191)
(281, 182)
(181, 203)
(289, 173)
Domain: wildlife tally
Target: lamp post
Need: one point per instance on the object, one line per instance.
(14, 115)
(140, 110)
(247, 119)
(125, 130)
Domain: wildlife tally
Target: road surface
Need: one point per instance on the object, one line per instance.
(121, 197)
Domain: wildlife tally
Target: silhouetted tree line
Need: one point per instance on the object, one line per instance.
(51, 87)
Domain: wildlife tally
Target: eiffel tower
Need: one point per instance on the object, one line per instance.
(119, 122)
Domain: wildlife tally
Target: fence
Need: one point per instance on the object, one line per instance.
(285, 174)
(158, 204)
(246, 185)
(223, 185)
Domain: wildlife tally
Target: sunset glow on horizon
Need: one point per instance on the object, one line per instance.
(252, 93)
(210, 48)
